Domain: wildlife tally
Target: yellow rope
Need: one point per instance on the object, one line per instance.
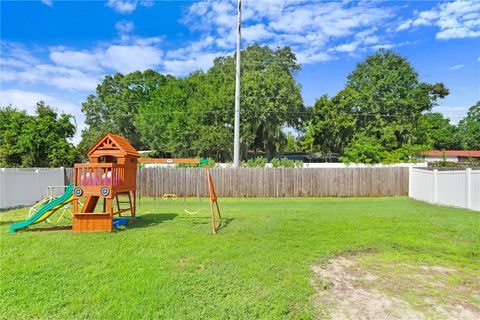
(192, 213)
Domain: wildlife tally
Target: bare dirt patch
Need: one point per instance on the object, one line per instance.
(362, 287)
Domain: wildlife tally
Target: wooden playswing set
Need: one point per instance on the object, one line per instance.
(111, 177)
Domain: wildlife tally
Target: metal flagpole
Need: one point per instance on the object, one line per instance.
(236, 138)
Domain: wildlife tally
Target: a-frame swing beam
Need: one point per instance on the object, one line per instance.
(213, 197)
(171, 160)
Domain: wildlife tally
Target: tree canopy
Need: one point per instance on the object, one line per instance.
(193, 116)
(470, 127)
(115, 105)
(36, 141)
(379, 111)
(383, 114)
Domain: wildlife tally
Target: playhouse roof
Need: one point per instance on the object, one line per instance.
(110, 141)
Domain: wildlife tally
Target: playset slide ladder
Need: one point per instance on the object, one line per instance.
(46, 210)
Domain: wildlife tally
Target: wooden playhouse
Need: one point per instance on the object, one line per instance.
(106, 186)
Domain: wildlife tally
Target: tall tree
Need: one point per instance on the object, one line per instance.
(383, 101)
(12, 122)
(115, 105)
(194, 116)
(470, 128)
(36, 141)
(331, 125)
(164, 120)
(436, 131)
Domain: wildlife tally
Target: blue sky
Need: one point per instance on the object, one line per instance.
(58, 51)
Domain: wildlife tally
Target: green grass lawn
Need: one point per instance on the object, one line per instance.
(169, 265)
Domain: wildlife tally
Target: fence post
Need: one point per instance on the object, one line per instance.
(2, 187)
(410, 174)
(63, 173)
(468, 188)
(37, 184)
(435, 186)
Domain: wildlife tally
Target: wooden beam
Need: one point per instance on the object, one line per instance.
(169, 161)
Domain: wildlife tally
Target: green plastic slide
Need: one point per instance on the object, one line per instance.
(46, 210)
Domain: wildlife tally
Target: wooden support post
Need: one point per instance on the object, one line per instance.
(134, 208)
(109, 208)
(118, 206)
(218, 210)
(213, 199)
(214, 229)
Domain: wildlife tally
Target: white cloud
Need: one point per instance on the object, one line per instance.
(80, 70)
(193, 48)
(124, 27)
(14, 53)
(117, 58)
(13, 62)
(456, 33)
(310, 56)
(128, 6)
(456, 19)
(19, 64)
(385, 46)
(456, 67)
(348, 47)
(58, 76)
(182, 67)
(309, 28)
(407, 24)
(130, 58)
(27, 100)
(47, 2)
(82, 60)
(426, 18)
(256, 33)
(150, 41)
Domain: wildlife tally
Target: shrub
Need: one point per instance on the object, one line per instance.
(364, 152)
(286, 163)
(210, 163)
(298, 163)
(255, 162)
(444, 164)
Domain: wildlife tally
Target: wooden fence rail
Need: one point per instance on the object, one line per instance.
(272, 182)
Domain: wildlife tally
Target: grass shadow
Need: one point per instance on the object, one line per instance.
(13, 208)
(225, 223)
(152, 219)
(47, 229)
(4, 222)
(204, 220)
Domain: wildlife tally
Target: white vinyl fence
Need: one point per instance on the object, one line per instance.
(456, 188)
(20, 187)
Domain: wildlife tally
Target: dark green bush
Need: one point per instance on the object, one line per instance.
(255, 162)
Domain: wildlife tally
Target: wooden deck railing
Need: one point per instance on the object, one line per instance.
(98, 174)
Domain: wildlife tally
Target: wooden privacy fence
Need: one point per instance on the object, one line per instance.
(273, 182)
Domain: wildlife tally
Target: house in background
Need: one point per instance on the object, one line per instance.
(449, 155)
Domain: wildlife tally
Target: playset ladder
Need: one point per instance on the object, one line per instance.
(132, 204)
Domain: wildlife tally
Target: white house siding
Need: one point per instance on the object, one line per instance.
(440, 158)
